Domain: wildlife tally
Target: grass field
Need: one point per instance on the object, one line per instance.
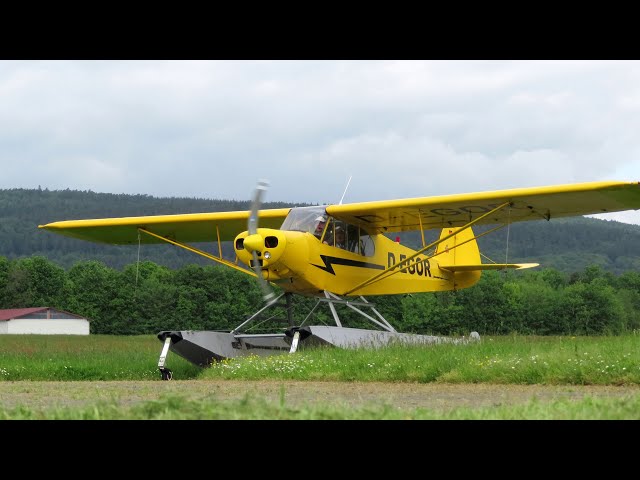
(588, 377)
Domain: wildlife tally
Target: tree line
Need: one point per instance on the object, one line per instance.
(568, 245)
(145, 298)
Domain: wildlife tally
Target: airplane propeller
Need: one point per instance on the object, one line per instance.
(253, 241)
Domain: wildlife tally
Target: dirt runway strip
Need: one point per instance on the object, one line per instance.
(440, 397)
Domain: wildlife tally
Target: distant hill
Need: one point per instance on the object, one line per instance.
(22, 210)
(569, 244)
(564, 244)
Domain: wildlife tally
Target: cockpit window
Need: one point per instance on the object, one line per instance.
(349, 237)
(329, 230)
(306, 219)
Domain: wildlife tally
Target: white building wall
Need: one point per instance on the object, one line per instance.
(48, 326)
(4, 327)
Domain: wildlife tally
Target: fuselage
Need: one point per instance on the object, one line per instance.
(313, 252)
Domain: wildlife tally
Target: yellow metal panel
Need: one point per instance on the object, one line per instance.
(191, 227)
(533, 203)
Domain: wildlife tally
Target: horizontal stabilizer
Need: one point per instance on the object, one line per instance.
(487, 266)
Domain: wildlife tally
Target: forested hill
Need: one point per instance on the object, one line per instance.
(564, 244)
(568, 244)
(22, 210)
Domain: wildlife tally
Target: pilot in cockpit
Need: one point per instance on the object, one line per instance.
(320, 226)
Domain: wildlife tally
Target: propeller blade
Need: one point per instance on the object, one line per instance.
(252, 224)
(268, 294)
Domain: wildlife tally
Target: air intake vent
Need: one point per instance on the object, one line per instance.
(271, 242)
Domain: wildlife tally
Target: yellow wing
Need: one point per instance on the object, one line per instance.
(388, 215)
(191, 227)
(534, 203)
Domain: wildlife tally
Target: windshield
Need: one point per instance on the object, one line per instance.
(306, 219)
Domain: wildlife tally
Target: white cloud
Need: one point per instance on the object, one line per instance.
(401, 128)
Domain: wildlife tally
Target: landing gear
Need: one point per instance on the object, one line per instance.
(165, 372)
(294, 342)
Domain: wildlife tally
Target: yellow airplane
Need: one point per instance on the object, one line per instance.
(337, 252)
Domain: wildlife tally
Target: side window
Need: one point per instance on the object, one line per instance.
(353, 236)
(328, 232)
(340, 235)
(367, 248)
(348, 237)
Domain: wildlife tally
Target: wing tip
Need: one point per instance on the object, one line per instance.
(487, 266)
(526, 265)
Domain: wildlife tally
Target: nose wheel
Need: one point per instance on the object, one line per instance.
(166, 373)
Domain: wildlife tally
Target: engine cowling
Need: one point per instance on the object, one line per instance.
(269, 245)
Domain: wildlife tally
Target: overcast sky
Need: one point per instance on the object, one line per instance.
(211, 129)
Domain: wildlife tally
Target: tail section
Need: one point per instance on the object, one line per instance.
(459, 256)
(461, 249)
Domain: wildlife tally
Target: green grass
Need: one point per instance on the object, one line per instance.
(93, 357)
(496, 360)
(253, 408)
(503, 360)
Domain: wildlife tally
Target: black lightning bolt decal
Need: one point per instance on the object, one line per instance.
(330, 261)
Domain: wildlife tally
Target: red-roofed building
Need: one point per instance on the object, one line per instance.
(42, 321)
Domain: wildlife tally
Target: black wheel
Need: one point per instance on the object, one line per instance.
(166, 374)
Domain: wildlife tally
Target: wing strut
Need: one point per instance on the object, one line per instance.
(411, 257)
(332, 298)
(199, 252)
(506, 255)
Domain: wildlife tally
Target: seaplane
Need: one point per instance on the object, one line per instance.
(339, 254)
